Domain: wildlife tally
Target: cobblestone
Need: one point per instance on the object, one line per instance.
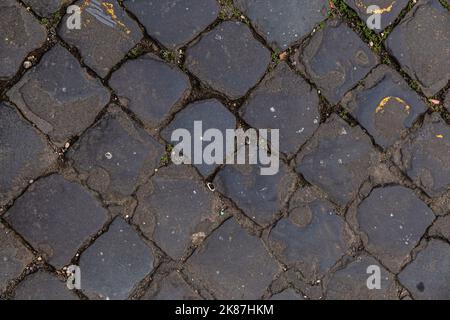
(389, 9)
(57, 91)
(119, 251)
(337, 159)
(176, 210)
(312, 239)
(150, 88)
(284, 23)
(20, 165)
(174, 23)
(335, 58)
(285, 101)
(22, 34)
(43, 286)
(116, 155)
(223, 63)
(425, 27)
(261, 197)
(45, 8)
(385, 106)
(14, 256)
(172, 287)
(212, 114)
(233, 264)
(394, 220)
(102, 26)
(426, 156)
(420, 276)
(56, 217)
(87, 179)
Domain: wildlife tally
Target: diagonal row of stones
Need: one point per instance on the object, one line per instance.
(363, 200)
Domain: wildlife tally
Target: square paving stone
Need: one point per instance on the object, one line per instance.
(283, 23)
(335, 58)
(389, 10)
(174, 207)
(21, 34)
(426, 156)
(233, 265)
(213, 115)
(24, 154)
(428, 276)
(56, 217)
(116, 262)
(261, 197)
(116, 155)
(421, 44)
(384, 105)
(312, 240)
(229, 59)
(150, 88)
(45, 8)
(106, 35)
(14, 257)
(337, 159)
(350, 283)
(43, 286)
(59, 96)
(174, 22)
(394, 220)
(284, 101)
(172, 287)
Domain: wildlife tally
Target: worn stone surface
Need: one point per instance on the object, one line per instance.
(447, 101)
(384, 105)
(174, 22)
(229, 59)
(232, 264)
(426, 26)
(427, 277)
(14, 256)
(150, 88)
(337, 159)
(261, 197)
(213, 115)
(21, 34)
(103, 24)
(426, 156)
(176, 210)
(43, 286)
(389, 10)
(283, 23)
(350, 283)
(288, 294)
(56, 217)
(45, 8)
(286, 102)
(172, 287)
(335, 58)
(441, 227)
(116, 155)
(58, 96)
(24, 154)
(393, 220)
(312, 239)
(119, 251)
(85, 114)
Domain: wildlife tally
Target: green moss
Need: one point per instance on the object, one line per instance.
(169, 56)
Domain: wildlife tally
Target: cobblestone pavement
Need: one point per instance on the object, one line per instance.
(86, 180)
